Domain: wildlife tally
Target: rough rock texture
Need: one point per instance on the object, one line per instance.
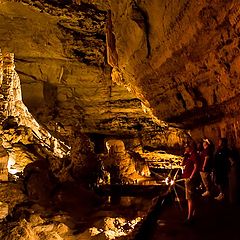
(181, 58)
(14, 112)
(60, 56)
(60, 53)
(82, 163)
(12, 194)
(227, 127)
(119, 221)
(3, 163)
(122, 165)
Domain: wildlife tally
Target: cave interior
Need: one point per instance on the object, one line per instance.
(99, 99)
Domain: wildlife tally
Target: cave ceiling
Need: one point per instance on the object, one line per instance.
(60, 56)
(179, 58)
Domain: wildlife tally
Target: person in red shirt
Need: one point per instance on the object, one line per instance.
(190, 168)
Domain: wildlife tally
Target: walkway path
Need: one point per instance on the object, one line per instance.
(214, 221)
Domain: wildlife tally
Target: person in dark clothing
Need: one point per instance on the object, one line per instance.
(199, 147)
(221, 167)
(233, 177)
(206, 167)
(190, 174)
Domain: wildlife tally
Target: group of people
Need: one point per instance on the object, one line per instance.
(202, 166)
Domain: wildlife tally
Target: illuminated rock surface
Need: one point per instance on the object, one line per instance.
(44, 178)
(182, 59)
(60, 55)
(123, 166)
(13, 108)
(60, 51)
(91, 71)
(104, 224)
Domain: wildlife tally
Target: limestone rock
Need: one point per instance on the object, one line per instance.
(20, 157)
(122, 166)
(32, 230)
(20, 134)
(3, 210)
(39, 182)
(180, 58)
(3, 163)
(82, 163)
(12, 194)
(22, 232)
(64, 64)
(13, 108)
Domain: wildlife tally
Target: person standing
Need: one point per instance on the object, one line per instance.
(206, 167)
(190, 175)
(221, 166)
(233, 177)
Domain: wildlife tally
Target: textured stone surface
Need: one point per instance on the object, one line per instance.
(12, 194)
(14, 112)
(36, 223)
(60, 53)
(180, 57)
(60, 56)
(3, 163)
(123, 166)
(54, 50)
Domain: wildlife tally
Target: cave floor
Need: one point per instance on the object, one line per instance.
(214, 220)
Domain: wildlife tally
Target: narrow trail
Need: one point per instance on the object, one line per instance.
(214, 220)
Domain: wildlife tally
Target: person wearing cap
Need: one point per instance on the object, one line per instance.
(190, 167)
(206, 167)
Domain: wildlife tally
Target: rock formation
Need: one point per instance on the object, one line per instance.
(64, 62)
(146, 73)
(181, 59)
(3, 163)
(122, 166)
(13, 107)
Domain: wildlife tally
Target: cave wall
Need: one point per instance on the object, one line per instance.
(60, 56)
(182, 59)
(228, 128)
(179, 60)
(57, 48)
(61, 59)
